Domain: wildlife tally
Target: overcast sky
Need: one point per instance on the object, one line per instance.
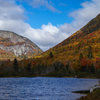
(46, 22)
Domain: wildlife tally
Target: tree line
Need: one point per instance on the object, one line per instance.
(86, 67)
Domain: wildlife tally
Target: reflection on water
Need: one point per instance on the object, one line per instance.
(43, 88)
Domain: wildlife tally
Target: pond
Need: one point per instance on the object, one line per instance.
(43, 88)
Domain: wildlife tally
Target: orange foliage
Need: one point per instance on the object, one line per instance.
(86, 62)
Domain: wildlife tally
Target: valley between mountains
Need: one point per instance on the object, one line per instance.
(78, 55)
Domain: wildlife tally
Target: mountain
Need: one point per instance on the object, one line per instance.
(84, 41)
(13, 45)
(77, 56)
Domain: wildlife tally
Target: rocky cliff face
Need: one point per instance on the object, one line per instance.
(13, 45)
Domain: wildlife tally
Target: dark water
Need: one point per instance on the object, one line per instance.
(43, 88)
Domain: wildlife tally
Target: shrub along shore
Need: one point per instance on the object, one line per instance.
(95, 95)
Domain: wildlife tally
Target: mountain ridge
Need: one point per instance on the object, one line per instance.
(78, 43)
(84, 28)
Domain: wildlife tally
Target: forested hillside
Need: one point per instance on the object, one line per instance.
(78, 56)
(83, 46)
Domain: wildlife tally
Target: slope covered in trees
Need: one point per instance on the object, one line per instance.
(78, 55)
(84, 44)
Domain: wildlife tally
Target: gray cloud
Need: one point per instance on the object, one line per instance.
(9, 10)
(41, 3)
(44, 3)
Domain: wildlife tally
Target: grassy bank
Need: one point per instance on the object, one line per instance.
(92, 96)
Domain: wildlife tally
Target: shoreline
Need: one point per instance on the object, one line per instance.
(92, 94)
(81, 91)
(48, 77)
(95, 95)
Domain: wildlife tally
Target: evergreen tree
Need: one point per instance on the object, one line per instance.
(68, 68)
(90, 54)
(81, 56)
(29, 67)
(15, 65)
(92, 68)
(58, 65)
(50, 54)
